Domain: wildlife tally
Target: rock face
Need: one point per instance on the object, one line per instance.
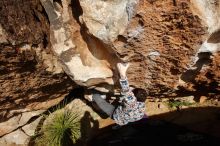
(17, 121)
(167, 43)
(209, 12)
(31, 77)
(107, 19)
(23, 21)
(3, 38)
(49, 46)
(16, 138)
(26, 84)
(78, 62)
(161, 40)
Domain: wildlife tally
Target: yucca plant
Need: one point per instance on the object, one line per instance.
(63, 129)
(177, 103)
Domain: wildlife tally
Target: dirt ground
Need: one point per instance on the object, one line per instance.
(202, 116)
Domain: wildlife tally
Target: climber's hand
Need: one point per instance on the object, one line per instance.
(88, 97)
(122, 69)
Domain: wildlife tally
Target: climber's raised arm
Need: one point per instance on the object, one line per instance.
(122, 69)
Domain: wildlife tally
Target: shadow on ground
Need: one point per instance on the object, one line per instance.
(87, 127)
(200, 126)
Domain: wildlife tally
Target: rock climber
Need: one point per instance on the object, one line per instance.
(132, 106)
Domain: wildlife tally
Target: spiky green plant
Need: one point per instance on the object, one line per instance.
(63, 129)
(177, 103)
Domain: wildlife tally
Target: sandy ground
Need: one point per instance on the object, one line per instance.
(202, 116)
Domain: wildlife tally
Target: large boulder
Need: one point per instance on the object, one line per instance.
(169, 44)
(81, 56)
(48, 47)
(30, 80)
(163, 41)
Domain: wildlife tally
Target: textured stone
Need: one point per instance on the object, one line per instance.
(25, 117)
(202, 99)
(159, 53)
(161, 40)
(30, 129)
(172, 48)
(208, 11)
(79, 59)
(76, 106)
(17, 121)
(24, 21)
(9, 125)
(49, 60)
(16, 138)
(188, 99)
(25, 83)
(162, 106)
(81, 107)
(107, 19)
(3, 37)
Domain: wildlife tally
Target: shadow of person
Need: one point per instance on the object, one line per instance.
(190, 75)
(88, 128)
(191, 127)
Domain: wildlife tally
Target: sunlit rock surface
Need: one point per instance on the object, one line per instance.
(48, 47)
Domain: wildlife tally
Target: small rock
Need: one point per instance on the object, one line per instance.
(3, 35)
(189, 99)
(80, 107)
(102, 89)
(113, 98)
(15, 138)
(216, 100)
(161, 106)
(9, 125)
(165, 99)
(156, 100)
(25, 47)
(154, 53)
(30, 128)
(16, 121)
(113, 14)
(28, 115)
(184, 107)
(202, 99)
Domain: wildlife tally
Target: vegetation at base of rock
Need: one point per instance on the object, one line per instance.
(177, 103)
(62, 130)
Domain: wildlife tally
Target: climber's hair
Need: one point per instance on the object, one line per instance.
(140, 94)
